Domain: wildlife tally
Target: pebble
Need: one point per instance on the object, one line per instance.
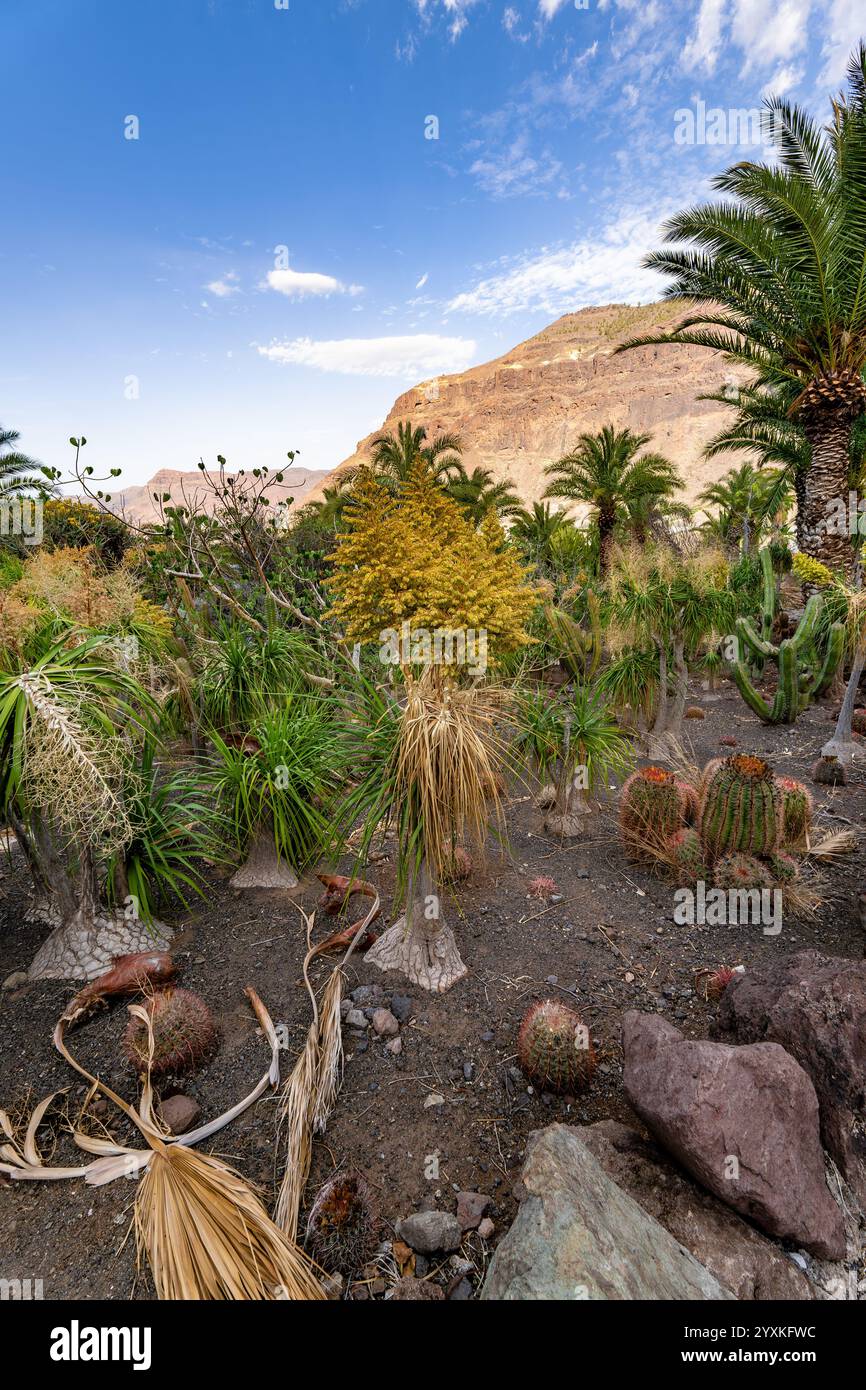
(385, 1024)
(356, 1019)
(471, 1206)
(486, 1228)
(434, 1098)
(180, 1113)
(401, 1007)
(395, 1047)
(487, 1036)
(468, 1071)
(428, 1231)
(365, 995)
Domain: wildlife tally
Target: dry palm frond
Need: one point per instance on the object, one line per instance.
(69, 771)
(311, 1090)
(835, 845)
(448, 762)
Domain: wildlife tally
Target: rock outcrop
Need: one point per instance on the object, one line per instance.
(815, 1006)
(578, 1236)
(524, 410)
(743, 1121)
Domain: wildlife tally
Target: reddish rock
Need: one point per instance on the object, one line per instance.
(471, 1206)
(743, 1260)
(743, 1121)
(412, 1290)
(180, 1113)
(815, 1006)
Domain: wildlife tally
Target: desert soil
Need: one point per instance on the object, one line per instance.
(608, 946)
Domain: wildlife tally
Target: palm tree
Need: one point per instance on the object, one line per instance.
(329, 508)
(395, 455)
(746, 498)
(16, 469)
(778, 275)
(476, 492)
(606, 472)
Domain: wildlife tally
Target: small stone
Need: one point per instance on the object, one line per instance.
(430, 1230)
(180, 1113)
(385, 1024)
(345, 1008)
(486, 1228)
(395, 1047)
(582, 873)
(365, 995)
(401, 1007)
(487, 1036)
(434, 1098)
(356, 1019)
(461, 1292)
(18, 977)
(471, 1206)
(553, 979)
(468, 1071)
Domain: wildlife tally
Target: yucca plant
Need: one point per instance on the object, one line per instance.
(574, 742)
(276, 789)
(429, 764)
(244, 672)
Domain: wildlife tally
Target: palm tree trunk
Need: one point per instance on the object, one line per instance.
(825, 492)
(606, 522)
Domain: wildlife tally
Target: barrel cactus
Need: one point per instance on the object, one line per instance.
(342, 1229)
(687, 855)
(741, 871)
(741, 807)
(184, 1033)
(797, 807)
(783, 867)
(554, 1048)
(690, 801)
(652, 806)
(829, 772)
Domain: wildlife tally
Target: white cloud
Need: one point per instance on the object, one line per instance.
(595, 270)
(514, 172)
(298, 284)
(423, 281)
(703, 48)
(843, 26)
(413, 356)
(455, 9)
(785, 80)
(770, 31)
(548, 8)
(510, 18)
(224, 287)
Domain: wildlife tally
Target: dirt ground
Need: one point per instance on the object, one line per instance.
(608, 946)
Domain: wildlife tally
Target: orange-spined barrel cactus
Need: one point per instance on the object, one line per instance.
(797, 807)
(184, 1033)
(652, 805)
(342, 1230)
(740, 807)
(554, 1048)
(741, 871)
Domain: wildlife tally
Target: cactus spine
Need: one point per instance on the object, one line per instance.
(554, 1048)
(652, 805)
(740, 808)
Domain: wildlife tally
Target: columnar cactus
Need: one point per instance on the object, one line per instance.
(184, 1033)
(741, 871)
(342, 1230)
(652, 805)
(740, 807)
(554, 1048)
(797, 807)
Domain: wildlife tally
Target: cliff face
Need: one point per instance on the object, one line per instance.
(527, 408)
(138, 506)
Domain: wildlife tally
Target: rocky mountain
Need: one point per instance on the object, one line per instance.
(527, 408)
(138, 506)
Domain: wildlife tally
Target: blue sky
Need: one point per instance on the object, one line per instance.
(146, 299)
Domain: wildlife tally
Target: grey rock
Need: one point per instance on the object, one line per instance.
(579, 1236)
(430, 1230)
(366, 995)
(356, 1019)
(486, 1228)
(401, 1007)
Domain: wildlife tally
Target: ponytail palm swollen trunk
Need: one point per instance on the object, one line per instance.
(779, 271)
(61, 761)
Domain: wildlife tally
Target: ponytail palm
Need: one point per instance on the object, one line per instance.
(606, 471)
(778, 272)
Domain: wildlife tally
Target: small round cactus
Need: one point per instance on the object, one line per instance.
(652, 806)
(713, 983)
(741, 871)
(687, 856)
(740, 807)
(554, 1048)
(694, 712)
(829, 772)
(184, 1033)
(541, 887)
(342, 1229)
(783, 867)
(797, 809)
